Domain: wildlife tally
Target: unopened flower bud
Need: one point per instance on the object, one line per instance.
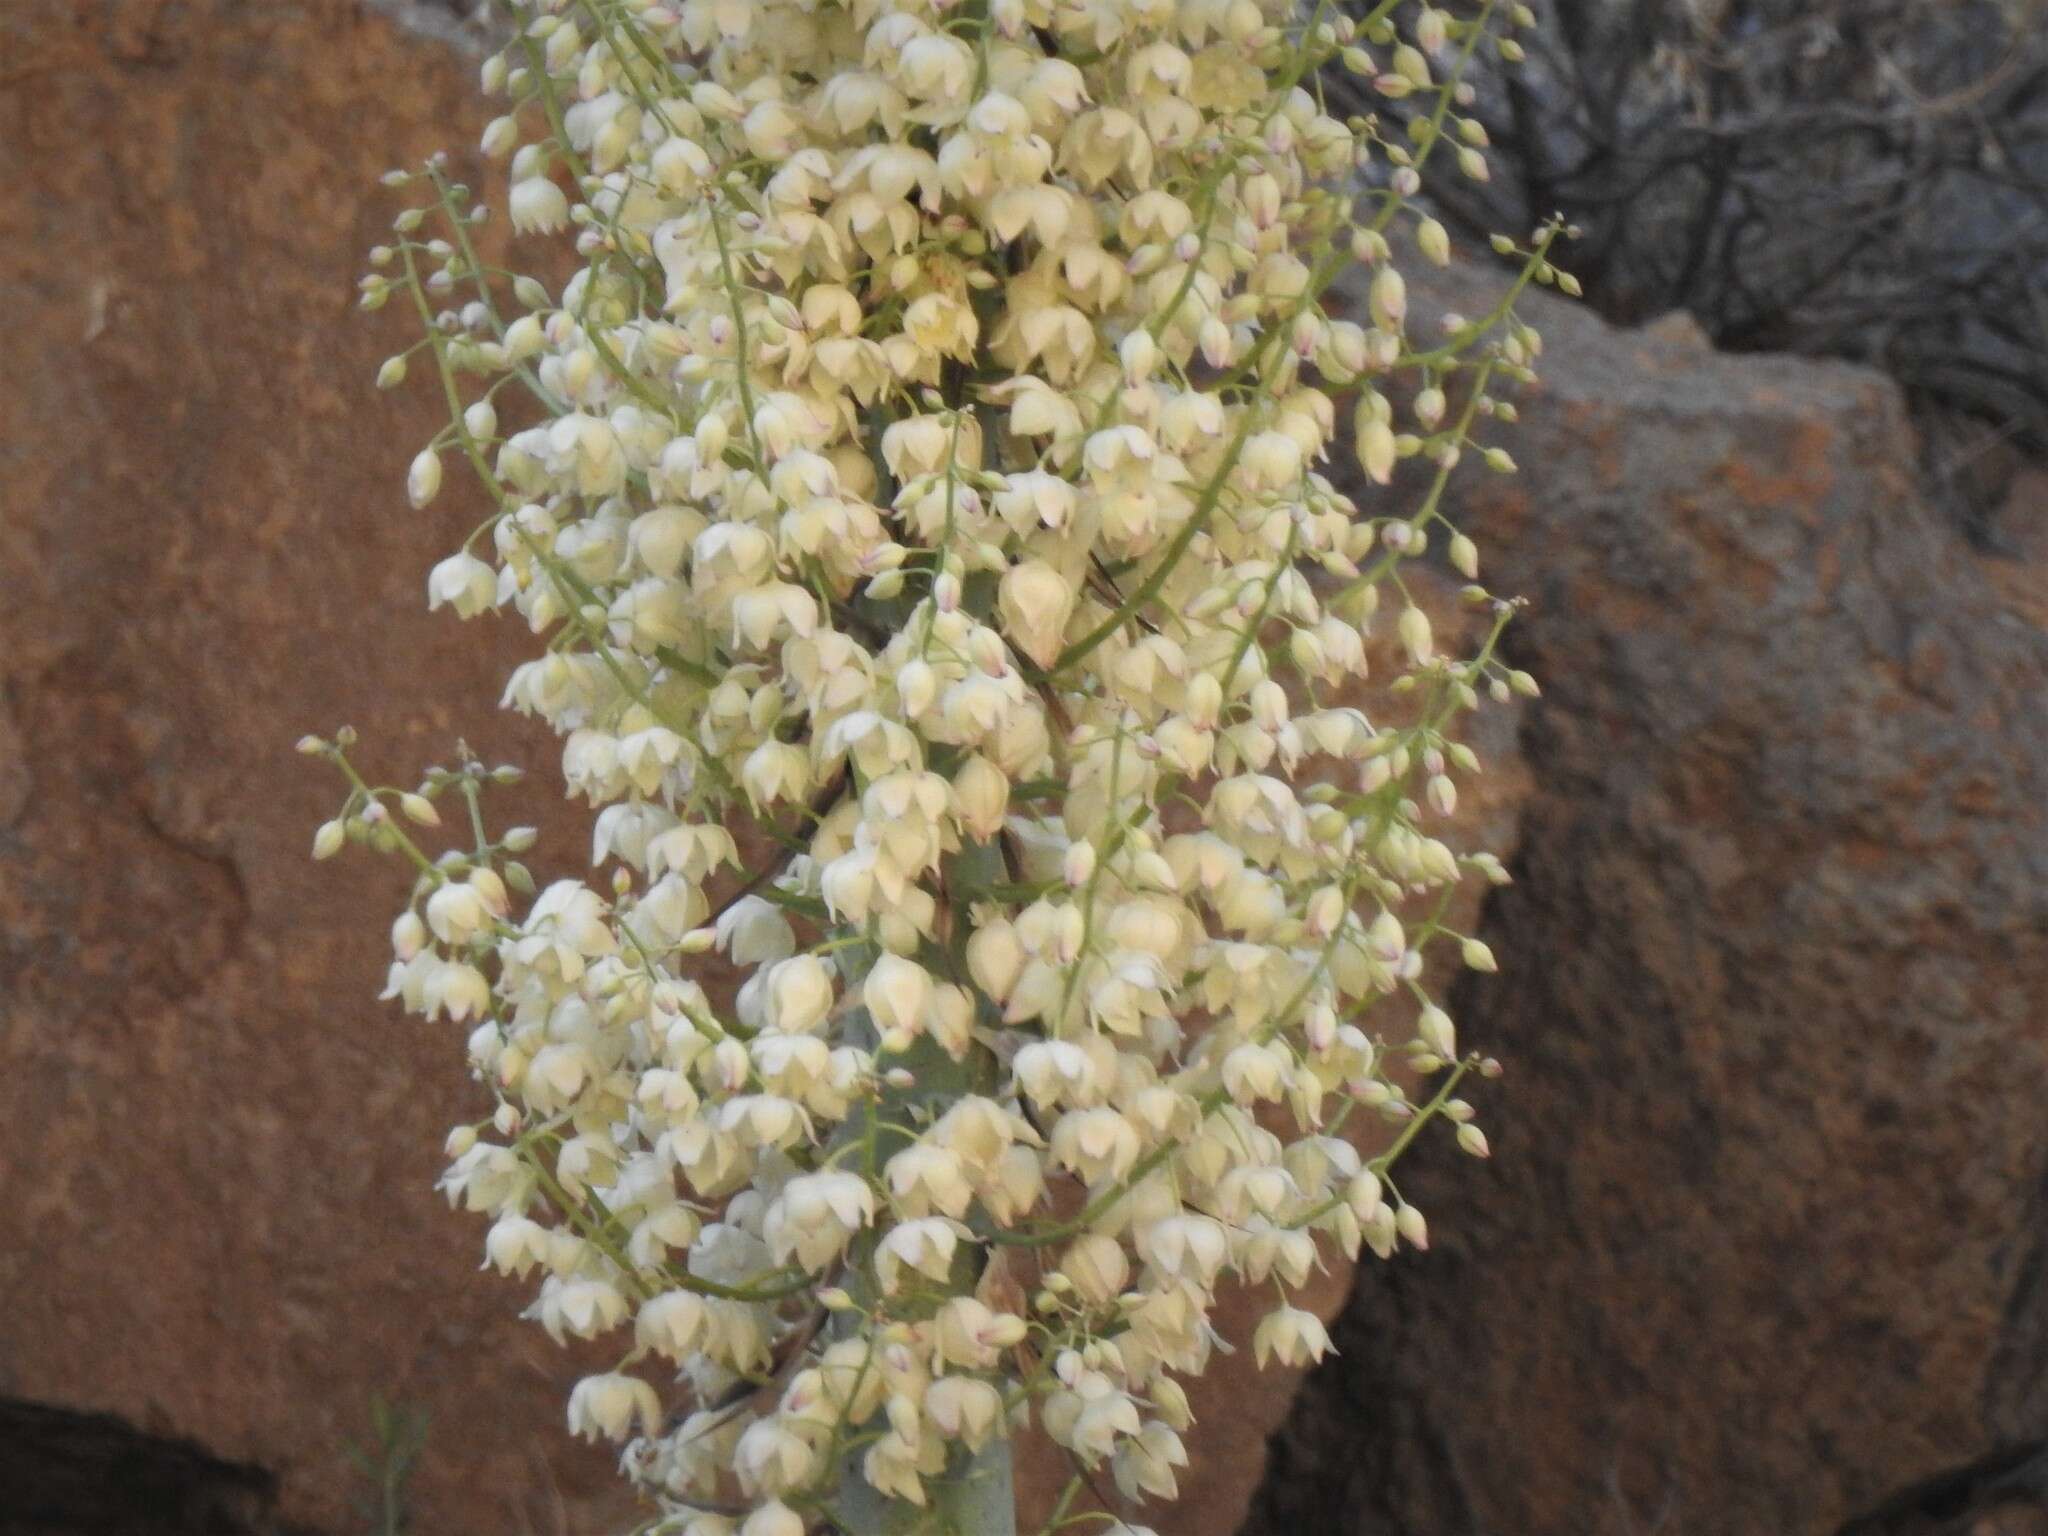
(328, 839)
(1434, 1029)
(1139, 354)
(408, 934)
(1389, 299)
(1325, 911)
(1443, 795)
(1408, 1221)
(1464, 556)
(423, 480)
(1434, 241)
(1416, 635)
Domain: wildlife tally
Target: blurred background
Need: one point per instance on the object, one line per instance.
(1763, 1246)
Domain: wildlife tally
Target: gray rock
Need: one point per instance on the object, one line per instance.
(1764, 1237)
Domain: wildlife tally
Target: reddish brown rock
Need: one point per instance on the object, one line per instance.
(1765, 1238)
(219, 1221)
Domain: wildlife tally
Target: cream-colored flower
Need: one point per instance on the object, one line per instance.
(815, 1216)
(1292, 1336)
(799, 993)
(610, 1406)
(922, 499)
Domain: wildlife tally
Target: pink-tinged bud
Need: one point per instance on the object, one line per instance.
(1319, 1028)
(1435, 1030)
(1389, 299)
(1443, 795)
(1216, 342)
(1139, 354)
(1377, 452)
(1384, 938)
(408, 935)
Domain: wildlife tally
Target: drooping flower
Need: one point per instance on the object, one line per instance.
(930, 472)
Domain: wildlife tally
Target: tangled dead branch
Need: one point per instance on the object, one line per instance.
(1865, 179)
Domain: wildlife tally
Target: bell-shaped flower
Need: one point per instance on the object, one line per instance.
(815, 1217)
(925, 1247)
(611, 1406)
(799, 994)
(1292, 1336)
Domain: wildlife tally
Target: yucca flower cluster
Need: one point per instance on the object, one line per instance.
(922, 490)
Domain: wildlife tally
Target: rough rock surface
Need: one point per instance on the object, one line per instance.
(1764, 1242)
(219, 1221)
